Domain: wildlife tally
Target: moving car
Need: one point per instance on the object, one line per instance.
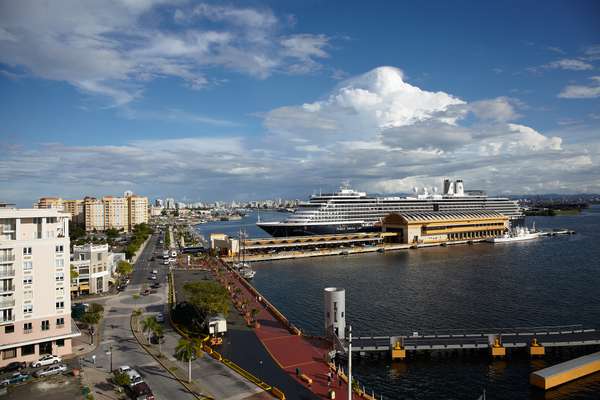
(153, 277)
(13, 366)
(166, 262)
(134, 377)
(15, 378)
(154, 271)
(159, 317)
(46, 360)
(155, 285)
(51, 370)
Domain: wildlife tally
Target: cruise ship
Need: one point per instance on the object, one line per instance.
(348, 210)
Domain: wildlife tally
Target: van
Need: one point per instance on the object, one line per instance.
(134, 377)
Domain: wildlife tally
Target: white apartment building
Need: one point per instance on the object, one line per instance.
(138, 210)
(93, 263)
(35, 304)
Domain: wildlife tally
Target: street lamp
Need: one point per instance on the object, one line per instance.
(109, 353)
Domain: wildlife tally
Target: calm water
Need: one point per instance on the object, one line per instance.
(550, 281)
(247, 223)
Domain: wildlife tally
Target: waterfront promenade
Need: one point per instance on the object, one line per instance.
(290, 351)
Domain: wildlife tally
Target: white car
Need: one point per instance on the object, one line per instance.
(166, 262)
(46, 360)
(134, 377)
(123, 368)
(153, 277)
(51, 370)
(154, 271)
(159, 317)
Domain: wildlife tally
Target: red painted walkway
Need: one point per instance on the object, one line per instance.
(288, 350)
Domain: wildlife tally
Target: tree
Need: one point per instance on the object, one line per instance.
(122, 379)
(73, 273)
(158, 331)
(208, 296)
(148, 325)
(254, 312)
(91, 318)
(187, 350)
(124, 268)
(96, 308)
(112, 233)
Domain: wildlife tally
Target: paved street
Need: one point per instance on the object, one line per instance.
(116, 331)
(211, 376)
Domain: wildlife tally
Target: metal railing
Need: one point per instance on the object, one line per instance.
(7, 258)
(7, 288)
(7, 303)
(7, 272)
(7, 319)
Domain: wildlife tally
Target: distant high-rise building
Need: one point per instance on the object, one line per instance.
(93, 214)
(116, 213)
(170, 203)
(76, 209)
(127, 193)
(138, 210)
(158, 203)
(35, 303)
(49, 202)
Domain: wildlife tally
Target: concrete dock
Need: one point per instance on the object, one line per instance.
(565, 372)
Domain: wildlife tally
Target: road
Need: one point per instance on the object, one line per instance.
(116, 332)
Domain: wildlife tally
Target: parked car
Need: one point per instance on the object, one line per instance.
(155, 285)
(159, 317)
(166, 262)
(46, 360)
(134, 377)
(13, 366)
(153, 277)
(15, 378)
(123, 368)
(51, 370)
(141, 391)
(145, 292)
(154, 271)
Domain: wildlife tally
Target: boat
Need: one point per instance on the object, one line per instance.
(517, 234)
(247, 273)
(349, 211)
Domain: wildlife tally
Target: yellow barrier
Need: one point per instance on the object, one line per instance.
(306, 379)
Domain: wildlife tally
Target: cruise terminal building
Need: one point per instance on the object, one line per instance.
(422, 227)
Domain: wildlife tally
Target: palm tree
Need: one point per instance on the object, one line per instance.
(136, 314)
(148, 325)
(158, 332)
(187, 350)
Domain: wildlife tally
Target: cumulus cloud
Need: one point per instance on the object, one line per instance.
(376, 129)
(113, 49)
(582, 91)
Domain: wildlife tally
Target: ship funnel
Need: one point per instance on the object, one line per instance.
(460, 190)
(448, 187)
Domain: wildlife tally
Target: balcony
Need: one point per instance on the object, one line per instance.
(7, 289)
(7, 273)
(6, 320)
(7, 258)
(7, 303)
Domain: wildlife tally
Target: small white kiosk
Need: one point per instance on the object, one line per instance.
(335, 312)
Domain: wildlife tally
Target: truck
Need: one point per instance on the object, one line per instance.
(217, 325)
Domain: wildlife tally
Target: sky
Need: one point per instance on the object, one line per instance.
(205, 101)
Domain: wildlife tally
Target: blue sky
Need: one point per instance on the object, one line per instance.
(242, 100)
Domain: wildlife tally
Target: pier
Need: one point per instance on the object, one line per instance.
(497, 340)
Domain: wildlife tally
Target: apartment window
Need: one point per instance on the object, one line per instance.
(60, 263)
(60, 342)
(27, 327)
(45, 325)
(60, 305)
(60, 321)
(27, 308)
(26, 251)
(60, 291)
(27, 265)
(28, 294)
(98, 257)
(60, 248)
(28, 350)
(9, 353)
(60, 276)
(9, 329)
(28, 280)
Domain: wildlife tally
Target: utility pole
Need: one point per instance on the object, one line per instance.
(349, 362)
(109, 352)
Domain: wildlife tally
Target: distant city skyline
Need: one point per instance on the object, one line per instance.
(242, 101)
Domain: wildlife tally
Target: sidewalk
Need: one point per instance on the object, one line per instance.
(98, 381)
(290, 351)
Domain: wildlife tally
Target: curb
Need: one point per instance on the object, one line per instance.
(183, 383)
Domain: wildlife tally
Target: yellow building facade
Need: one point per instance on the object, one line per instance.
(438, 226)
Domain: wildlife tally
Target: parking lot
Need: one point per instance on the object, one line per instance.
(57, 387)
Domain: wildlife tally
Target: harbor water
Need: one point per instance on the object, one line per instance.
(547, 281)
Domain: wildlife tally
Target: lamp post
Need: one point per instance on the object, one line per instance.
(109, 353)
(349, 362)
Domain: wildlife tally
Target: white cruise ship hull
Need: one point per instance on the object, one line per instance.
(510, 239)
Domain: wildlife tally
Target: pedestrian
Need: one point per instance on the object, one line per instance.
(297, 371)
(94, 359)
(260, 363)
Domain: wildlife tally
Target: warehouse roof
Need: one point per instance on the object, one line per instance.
(440, 216)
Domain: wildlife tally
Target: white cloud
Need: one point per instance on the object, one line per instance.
(498, 109)
(112, 49)
(581, 91)
(570, 64)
